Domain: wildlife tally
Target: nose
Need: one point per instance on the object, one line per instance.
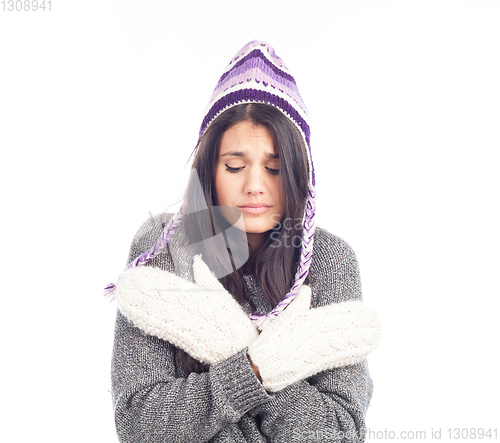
(254, 183)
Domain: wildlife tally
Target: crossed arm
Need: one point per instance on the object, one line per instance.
(154, 402)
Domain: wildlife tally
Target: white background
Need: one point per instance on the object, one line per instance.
(100, 105)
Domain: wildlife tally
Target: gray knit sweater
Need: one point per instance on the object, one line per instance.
(154, 401)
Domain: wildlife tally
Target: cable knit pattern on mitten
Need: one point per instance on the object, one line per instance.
(203, 319)
(303, 343)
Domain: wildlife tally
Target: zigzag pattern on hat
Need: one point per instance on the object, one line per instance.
(257, 75)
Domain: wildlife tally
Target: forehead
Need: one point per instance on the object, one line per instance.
(245, 139)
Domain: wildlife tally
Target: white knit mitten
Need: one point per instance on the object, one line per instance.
(302, 342)
(203, 319)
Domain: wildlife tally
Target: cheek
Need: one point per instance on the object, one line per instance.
(279, 196)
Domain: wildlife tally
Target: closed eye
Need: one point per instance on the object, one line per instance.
(273, 171)
(234, 170)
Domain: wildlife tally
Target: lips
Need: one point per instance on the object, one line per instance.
(254, 208)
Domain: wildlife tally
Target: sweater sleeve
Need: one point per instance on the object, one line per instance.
(331, 405)
(152, 403)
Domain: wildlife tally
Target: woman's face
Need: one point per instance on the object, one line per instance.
(246, 178)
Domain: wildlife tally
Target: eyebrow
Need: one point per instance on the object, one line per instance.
(243, 154)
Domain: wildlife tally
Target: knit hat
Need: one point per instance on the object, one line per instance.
(256, 75)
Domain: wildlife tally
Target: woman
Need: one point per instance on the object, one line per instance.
(238, 329)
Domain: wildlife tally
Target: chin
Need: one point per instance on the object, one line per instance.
(252, 224)
(257, 228)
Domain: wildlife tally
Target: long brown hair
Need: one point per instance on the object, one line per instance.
(274, 264)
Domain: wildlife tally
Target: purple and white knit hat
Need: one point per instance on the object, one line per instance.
(256, 75)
